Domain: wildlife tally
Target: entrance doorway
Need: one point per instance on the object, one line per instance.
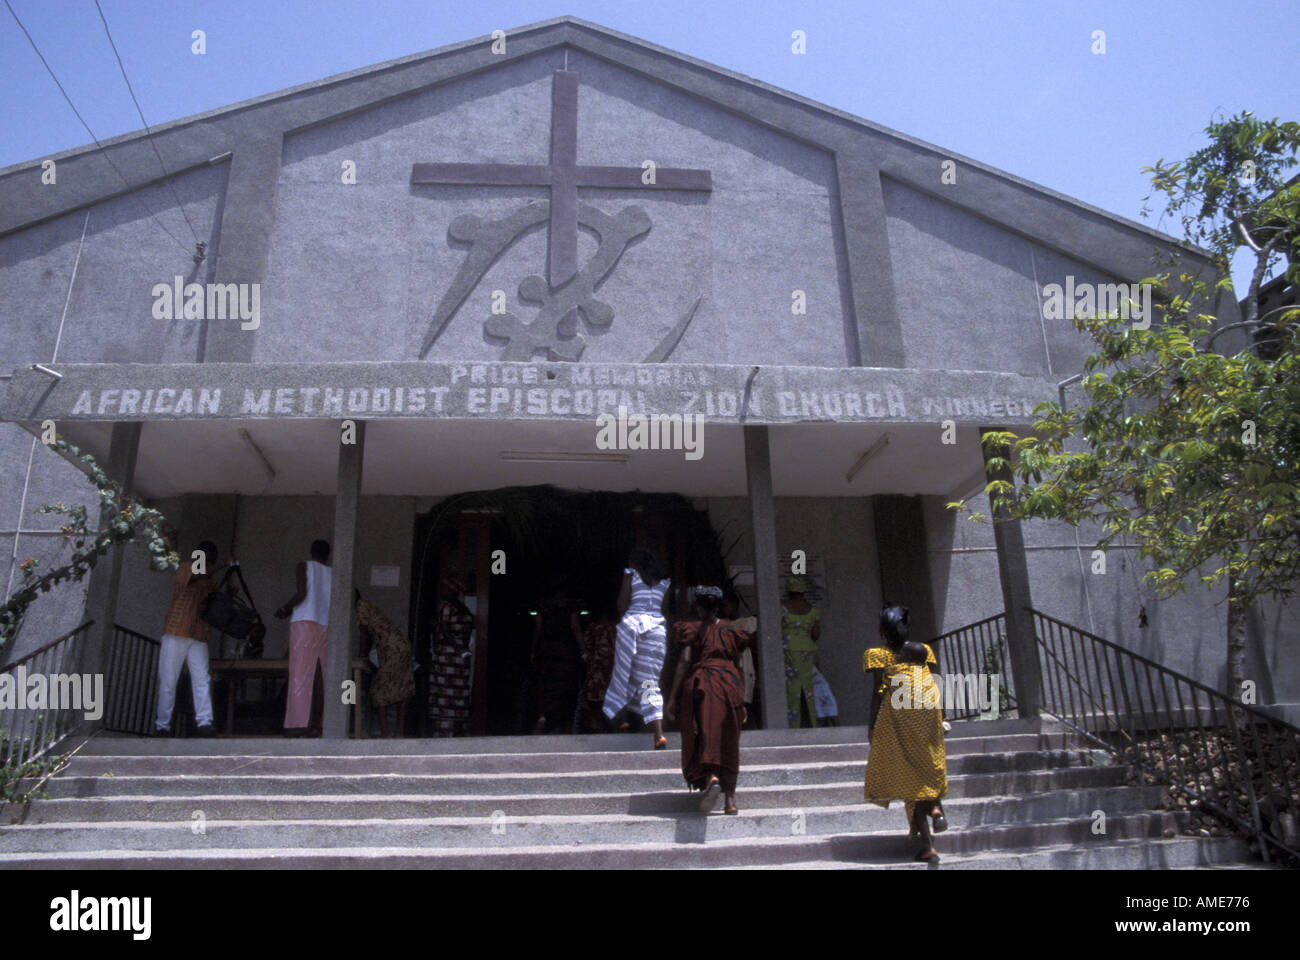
(512, 549)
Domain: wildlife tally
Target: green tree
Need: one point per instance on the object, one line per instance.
(120, 519)
(1191, 454)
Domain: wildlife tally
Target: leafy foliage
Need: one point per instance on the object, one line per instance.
(120, 519)
(1192, 454)
(1234, 193)
(13, 774)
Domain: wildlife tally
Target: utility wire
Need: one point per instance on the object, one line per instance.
(148, 133)
(102, 151)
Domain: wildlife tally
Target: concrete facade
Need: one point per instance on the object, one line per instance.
(921, 303)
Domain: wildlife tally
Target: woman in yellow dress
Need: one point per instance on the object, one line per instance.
(801, 628)
(907, 760)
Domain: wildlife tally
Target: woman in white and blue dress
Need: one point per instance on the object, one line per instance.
(641, 644)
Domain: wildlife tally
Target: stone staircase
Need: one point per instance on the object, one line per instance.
(1021, 795)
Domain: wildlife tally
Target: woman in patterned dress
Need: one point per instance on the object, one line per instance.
(801, 628)
(450, 677)
(394, 681)
(641, 644)
(712, 695)
(907, 760)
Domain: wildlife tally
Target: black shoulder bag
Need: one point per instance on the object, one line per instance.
(235, 618)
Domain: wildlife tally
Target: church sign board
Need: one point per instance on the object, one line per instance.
(504, 390)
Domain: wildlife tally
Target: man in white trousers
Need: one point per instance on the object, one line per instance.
(185, 640)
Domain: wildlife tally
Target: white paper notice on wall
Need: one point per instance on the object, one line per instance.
(385, 575)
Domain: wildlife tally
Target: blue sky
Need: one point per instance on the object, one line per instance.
(1011, 84)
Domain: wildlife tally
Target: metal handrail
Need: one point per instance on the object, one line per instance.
(31, 733)
(1219, 756)
(1223, 759)
(1189, 681)
(136, 635)
(968, 650)
(1068, 673)
(131, 683)
(8, 667)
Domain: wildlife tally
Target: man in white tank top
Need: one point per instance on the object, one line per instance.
(308, 611)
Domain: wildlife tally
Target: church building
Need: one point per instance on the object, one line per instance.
(500, 312)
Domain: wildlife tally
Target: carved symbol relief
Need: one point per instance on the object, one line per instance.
(569, 289)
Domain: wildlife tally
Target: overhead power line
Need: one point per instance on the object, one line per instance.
(147, 132)
(126, 183)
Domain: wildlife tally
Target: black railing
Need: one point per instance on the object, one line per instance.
(132, 684)
(974, 664)
(1220, 758)
(47, 711)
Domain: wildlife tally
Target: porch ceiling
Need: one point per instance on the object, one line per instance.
(434, 457)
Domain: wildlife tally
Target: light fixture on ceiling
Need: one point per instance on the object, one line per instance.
(870, 452)
(543, 456)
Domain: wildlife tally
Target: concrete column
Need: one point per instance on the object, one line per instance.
(868, 261)
(767, 582)
(1013, 570)
(243, 240)
(339, 646)
(106, 577)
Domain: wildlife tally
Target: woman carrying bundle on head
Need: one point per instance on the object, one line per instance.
(641, 644)
(711, 691)
(907, 760)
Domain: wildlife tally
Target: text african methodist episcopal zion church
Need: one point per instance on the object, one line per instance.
(469, 256)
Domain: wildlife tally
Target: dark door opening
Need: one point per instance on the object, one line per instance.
(516, 545)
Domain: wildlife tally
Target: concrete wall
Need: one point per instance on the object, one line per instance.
(970, 291)
(369, 262)
(840, 530)
(1279, 626)
(125, 252)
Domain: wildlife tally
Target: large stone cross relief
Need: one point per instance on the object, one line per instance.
(568, 289)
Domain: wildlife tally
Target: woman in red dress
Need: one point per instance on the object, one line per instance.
(712, 698)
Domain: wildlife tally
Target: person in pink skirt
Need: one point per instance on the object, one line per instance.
(308, 611)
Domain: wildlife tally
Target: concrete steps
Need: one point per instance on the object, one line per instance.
(243, 778)
(1022, 795)
(322, 805)
(1216, 853)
